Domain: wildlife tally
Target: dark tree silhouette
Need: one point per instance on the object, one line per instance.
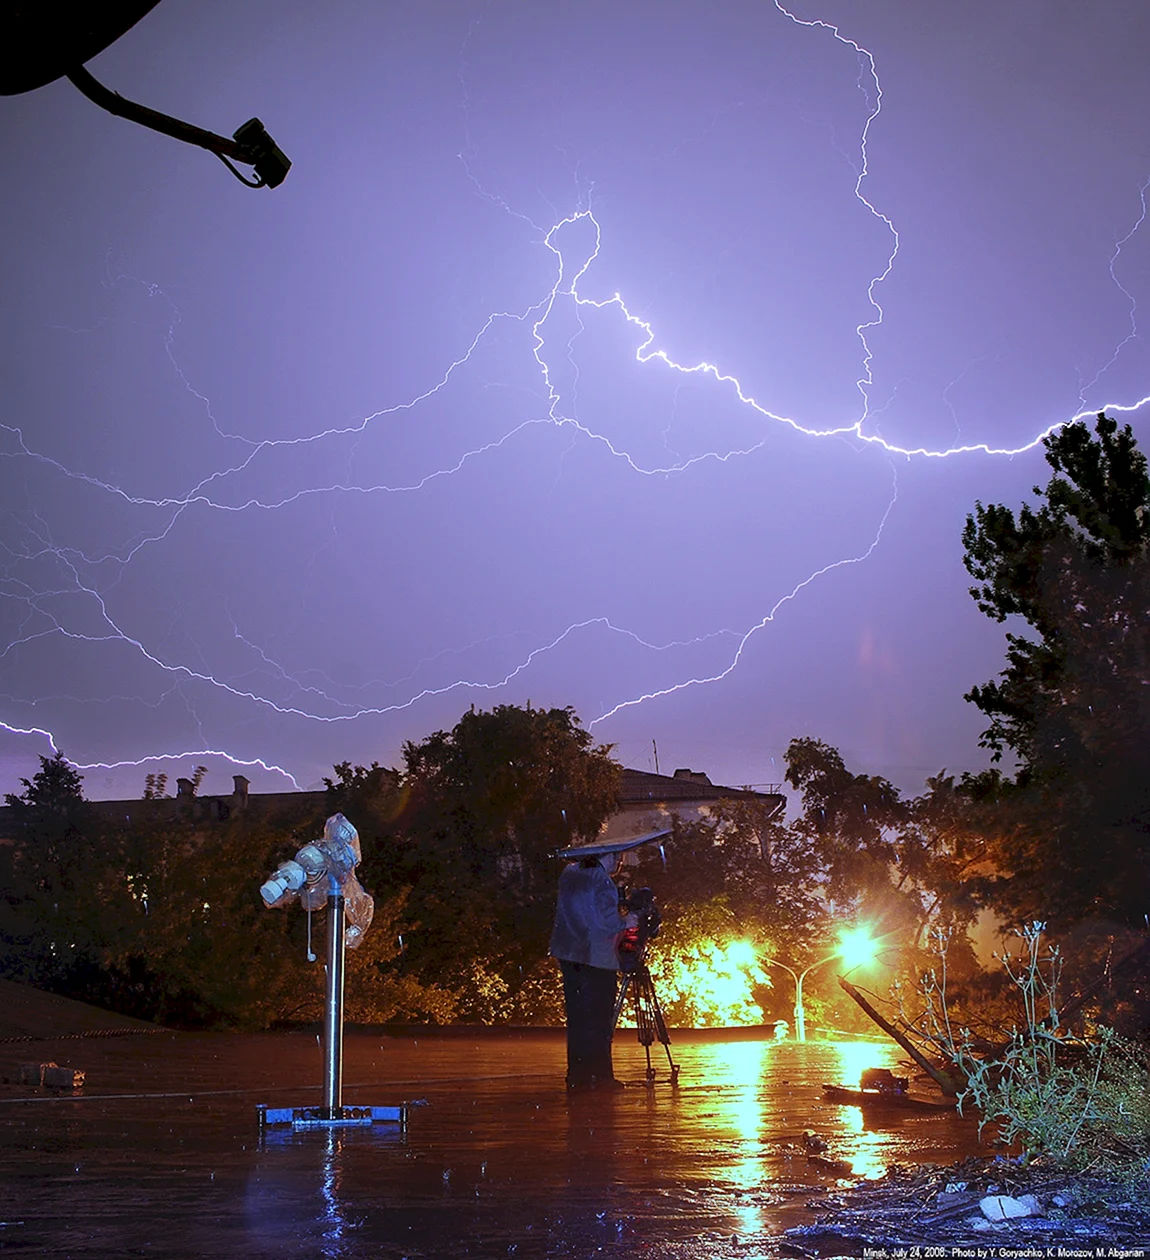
(1073, 704)
(488, 804)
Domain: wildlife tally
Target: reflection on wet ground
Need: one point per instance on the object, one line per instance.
(161, 1155)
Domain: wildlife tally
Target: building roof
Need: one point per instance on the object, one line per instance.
(640, 787)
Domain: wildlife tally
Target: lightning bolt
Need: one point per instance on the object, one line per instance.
(74, 606)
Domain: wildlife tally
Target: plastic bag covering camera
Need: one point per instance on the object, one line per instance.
(324, 868)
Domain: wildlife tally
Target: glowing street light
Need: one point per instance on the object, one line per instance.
(855, 948)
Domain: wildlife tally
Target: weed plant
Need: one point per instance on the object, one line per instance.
(1076, 1101)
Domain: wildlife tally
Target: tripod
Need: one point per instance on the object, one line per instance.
(649, 1021)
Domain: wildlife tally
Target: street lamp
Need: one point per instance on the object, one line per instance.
(855, 947)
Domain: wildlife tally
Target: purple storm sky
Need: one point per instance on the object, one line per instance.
(292, 476)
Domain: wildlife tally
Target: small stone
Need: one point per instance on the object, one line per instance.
(1001, 1207)
(979, 1223)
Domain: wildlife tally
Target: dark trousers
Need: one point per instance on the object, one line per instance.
(589, 996)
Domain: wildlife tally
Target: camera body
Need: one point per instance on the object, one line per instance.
(633, 940)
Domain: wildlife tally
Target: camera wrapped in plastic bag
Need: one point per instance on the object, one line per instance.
(322, 869)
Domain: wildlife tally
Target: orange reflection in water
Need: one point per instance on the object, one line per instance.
(854, 1057)
(867, 1156)
(744, 1108)
(744, 1114)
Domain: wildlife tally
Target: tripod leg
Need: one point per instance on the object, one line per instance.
(661, 1029)
(645, 1013)
(643, 1016)
(619, 1000)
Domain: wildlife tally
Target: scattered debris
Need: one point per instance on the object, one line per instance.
(1010, 1203)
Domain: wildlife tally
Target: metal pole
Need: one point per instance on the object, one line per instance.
(333, 1012)
(800, 1015)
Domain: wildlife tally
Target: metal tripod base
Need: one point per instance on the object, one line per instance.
(332, 1114)
(649, 1021)
(323, 1118)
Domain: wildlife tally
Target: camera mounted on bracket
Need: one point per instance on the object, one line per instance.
(324, 868)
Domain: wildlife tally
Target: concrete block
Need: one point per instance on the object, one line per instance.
(62, 1077)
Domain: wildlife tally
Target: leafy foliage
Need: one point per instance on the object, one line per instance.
(850, 818)
(857, 851)
(160, 916)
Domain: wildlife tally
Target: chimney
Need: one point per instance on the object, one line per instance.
(240, 791)
(693, 776)
(185, 788)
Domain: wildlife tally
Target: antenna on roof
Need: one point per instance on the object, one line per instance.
(656, 748)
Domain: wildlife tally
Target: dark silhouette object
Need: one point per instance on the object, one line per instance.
(44, 42)
(1070, 576)
(41, 40)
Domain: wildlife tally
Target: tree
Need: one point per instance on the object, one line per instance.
(851, 819)
(737, 886)
(56, 789)
(54, 878)
(1073, 704)
(764, 876)
(488, 803)
(941, 861)
(903, 868)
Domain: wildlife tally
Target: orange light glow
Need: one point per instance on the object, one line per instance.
(711, 984)
(856, 947)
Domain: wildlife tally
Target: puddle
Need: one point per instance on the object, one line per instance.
(161, 1153)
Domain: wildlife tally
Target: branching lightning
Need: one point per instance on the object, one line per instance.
(572, 291)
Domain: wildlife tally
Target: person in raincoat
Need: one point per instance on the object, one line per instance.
(588, 921)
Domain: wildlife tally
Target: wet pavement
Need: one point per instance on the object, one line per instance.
(160, 1153)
